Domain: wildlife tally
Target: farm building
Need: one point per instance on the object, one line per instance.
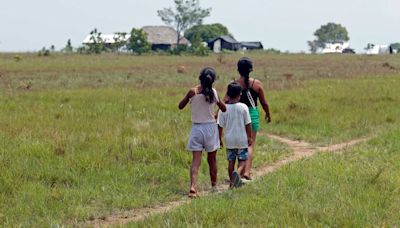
(163, 37)
(251, 45)
(378, 49)
(224, 42)
(107, 39)
(335, 47)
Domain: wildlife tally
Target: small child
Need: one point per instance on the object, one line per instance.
(237, 124)
(204, 133)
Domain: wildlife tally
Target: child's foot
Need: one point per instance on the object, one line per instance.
(247, 178)
(192, 194)
(246, 181)
(237, 181)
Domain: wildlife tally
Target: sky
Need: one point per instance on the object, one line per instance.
(287, 25)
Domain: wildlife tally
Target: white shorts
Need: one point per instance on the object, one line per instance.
(203, 136)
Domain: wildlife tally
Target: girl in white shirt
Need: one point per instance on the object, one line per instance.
(204, 132)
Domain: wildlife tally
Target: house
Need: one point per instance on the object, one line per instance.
(163, 37)
(373, 49)
(335, 47)
(224, 42)
(251, 45)
(107, 39)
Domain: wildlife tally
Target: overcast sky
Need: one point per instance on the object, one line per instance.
(29, 25)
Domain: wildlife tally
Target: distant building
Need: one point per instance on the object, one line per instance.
(106, 39)
(251, 45)
(229, 43)
(224, 42)
(160, 38)
(163, 37)
(373, 49)
(335, 47)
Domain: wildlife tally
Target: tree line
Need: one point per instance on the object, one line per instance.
(186, 18)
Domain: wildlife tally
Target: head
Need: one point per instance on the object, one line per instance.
(234, 90)
(245, 66)
(207, 78)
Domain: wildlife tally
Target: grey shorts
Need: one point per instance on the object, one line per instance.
(203, 136)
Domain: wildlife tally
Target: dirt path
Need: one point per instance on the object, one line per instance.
(300, 149)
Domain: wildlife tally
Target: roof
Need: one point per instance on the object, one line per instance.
(252, 44)
(163, 35)
(106, 38)
(227, 38)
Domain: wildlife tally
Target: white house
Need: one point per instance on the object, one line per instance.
(373, 49)
(106, 38)
(335, 47)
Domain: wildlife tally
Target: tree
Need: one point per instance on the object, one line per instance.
(138, 43)
(395, 47)
(97, 45)
(313, 46)
(119, 41)
(68, 47)
(206, 32)
(329, 33)
(186, 14)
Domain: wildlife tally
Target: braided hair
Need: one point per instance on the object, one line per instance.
(207, 78)
(245, 66)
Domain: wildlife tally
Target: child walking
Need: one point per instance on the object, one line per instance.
(237, 124)
(204, 131)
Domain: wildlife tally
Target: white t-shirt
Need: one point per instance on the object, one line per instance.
(234, 122)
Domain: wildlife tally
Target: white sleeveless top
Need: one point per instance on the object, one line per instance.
(202, 110)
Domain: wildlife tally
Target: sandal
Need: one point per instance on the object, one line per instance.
(193, 194)
(237, 181)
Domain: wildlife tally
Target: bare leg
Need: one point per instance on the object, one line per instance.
(212, 163)
(194, 170)
(249, 162)
(241, 166)
(231, 168)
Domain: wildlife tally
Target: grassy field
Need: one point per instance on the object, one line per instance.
(82, 136)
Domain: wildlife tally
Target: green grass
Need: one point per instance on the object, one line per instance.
(357, 188)
(330, 111)
(83, 136)
(76, 154)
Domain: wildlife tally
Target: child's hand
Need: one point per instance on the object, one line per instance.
(221, 144)
(249, 141)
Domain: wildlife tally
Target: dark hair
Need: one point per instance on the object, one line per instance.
(207, 78)
(245, 66)
(234, 90)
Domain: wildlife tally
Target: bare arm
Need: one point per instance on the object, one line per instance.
(248, 132)
(220, 135)
(221, 106)
(224, 101)
(186, 99)
(264, 103)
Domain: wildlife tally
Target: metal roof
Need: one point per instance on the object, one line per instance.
(106, 38)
